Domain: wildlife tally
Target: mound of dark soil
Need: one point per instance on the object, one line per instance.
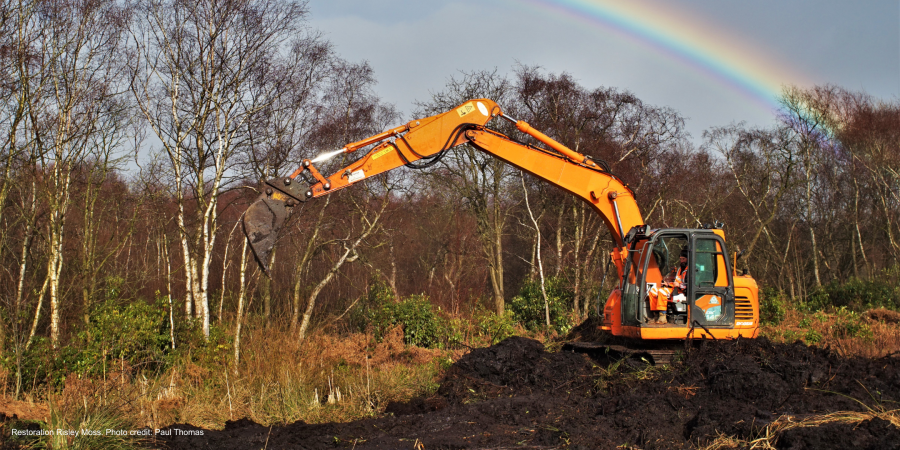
(516, 394)
(874, 434)
(883, 315)
(515, 367)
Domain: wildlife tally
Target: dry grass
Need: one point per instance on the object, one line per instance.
(324, 378)
(684, 391)
(873, 334)
(24, 410)
(769, 436)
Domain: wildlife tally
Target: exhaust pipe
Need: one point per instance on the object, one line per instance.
(265, 217)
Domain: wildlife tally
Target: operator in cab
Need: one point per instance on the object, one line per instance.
(677, 279)
(672, 290)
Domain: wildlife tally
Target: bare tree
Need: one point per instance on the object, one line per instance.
(20, 71)
(807, 114)
(764, 165)
(196, 83)
(630, 137)
(281, 135)
(537, 250)
(483, 181)
(79, 52)
(19, 77)
(350, 111)
(869, 131)
(103, 192)
(242, 295)
(369, 222)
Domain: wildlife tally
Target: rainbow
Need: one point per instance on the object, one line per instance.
(712, 53)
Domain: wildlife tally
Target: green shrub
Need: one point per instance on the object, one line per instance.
(772, 306)
(791, 335)
(137, 333)
(455, 331)
(369, 310)
(855, 294)
(42, 365)
(422, 325)
(812, 337)
(859, 294)
(849, 324)
(494, 327)
(817, 300)
(528, 306)
(215, 351)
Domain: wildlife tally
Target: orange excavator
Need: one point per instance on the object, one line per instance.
(708, 300)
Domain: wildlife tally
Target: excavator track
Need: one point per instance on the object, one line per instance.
(653, 353)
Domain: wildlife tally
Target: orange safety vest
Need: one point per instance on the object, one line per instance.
(660, 296)
(680, 277)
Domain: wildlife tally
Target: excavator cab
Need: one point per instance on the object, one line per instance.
(707, 297)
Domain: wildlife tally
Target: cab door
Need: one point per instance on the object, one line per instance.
(631, 287)
(710, 284)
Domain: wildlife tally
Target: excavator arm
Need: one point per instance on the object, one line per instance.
(423, 142)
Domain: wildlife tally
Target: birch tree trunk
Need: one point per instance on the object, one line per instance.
(239, 319)
(26, 247)
(169, 290)
(37, 312)
(19, 345)
(559, 238)
(540, 264)
(862, 250)
(225, 264)
(80, 47)
(349, 255)
(815, 256)
(59, 206)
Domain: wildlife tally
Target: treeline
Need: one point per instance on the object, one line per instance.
(133, 135)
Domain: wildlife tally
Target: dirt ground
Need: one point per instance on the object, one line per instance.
(516, 394)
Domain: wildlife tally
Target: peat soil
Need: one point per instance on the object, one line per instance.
(516, 394)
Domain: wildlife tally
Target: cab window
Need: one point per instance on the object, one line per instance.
(667, 251)
(709, 264)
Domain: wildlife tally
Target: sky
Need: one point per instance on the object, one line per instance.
(716, 62)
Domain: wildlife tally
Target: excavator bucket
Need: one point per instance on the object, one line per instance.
(265, 217)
